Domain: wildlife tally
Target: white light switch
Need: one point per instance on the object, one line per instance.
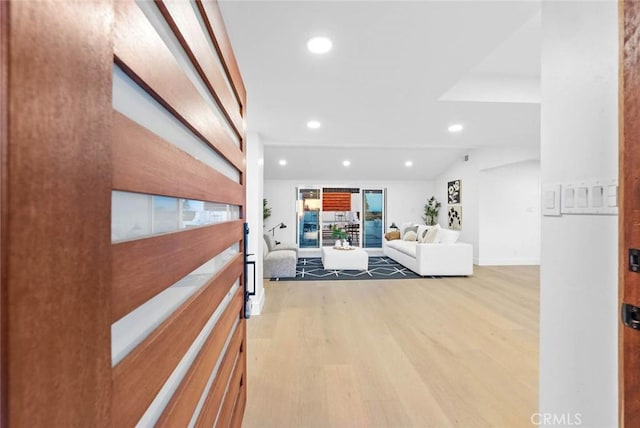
(549, 199)
(583, 197)
(612, 196)
(597, 195)
(569, 197)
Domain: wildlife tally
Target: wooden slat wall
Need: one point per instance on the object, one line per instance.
(56, 191)
(336, 202)
(182, 19)
(218, 33)
(181, 407)
(144, 162)
(209, 412)
(147, 368)
(142, 54)
(63, 151)
(143, 268)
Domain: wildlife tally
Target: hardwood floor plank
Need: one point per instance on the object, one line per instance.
(448, 352)
(345, 404)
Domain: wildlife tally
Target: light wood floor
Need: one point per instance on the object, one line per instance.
(400, 353)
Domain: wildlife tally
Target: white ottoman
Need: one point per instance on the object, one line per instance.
(354, 259)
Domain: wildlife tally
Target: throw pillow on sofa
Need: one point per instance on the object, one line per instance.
(393, 235)
(410, 235)
(431, 236)
(423, 234)
(403, 228)
(414, 233)
(448, 236)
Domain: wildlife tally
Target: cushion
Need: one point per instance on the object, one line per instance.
(269, 241)
(413, 229)
(410, 235)
(406, 247)
(423, 235)
(448, 236)
(404, 226)
(432, 235)
(421, 230)
(390, 236)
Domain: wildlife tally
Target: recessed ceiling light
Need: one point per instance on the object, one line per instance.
(282, 162)
(457, 127)
(319, 45)
(408, 163)
(313, 124)
(346, 163)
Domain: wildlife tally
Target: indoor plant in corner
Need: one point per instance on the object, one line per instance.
(431, 210)
(266, 209)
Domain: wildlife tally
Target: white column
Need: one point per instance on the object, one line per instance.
(579, 257)
(255, 192)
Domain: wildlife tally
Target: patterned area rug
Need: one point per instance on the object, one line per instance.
(311, 269)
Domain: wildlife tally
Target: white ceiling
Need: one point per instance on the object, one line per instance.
(399, 74)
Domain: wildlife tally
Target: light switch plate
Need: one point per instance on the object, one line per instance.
(590, 197)
(551, 199)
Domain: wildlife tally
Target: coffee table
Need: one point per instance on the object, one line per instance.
(354, 258)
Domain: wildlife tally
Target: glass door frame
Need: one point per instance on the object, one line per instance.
(361, 222)
(300, 213)
(363, 217)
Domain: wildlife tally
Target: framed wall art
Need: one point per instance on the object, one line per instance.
(455, 217)
(454, 190)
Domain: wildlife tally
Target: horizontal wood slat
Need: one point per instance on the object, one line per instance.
(182, 19)
(336, 202)
(238, 412)
(161, 76)
(180, 409)
(231, 397)
(218, 33)
(142, 268)
(145, 163)
(212, 403)
(140, 375)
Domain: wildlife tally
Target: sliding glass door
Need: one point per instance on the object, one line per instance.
(373, 201)
(359, 213)
(308, 209)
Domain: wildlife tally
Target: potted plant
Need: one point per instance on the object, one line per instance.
(338, 234)
(266, 209)
(431, 210)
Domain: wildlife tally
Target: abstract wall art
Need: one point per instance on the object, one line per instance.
(455, 217)
(454, 190)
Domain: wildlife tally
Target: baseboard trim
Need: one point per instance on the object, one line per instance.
(257, 304)
(509, 262)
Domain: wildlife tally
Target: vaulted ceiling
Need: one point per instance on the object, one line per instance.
(398, 75)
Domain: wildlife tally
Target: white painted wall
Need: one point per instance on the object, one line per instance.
(578, 279)
(255, 185)
(405, 201)
(509, 232)
(467, 172)
(473, 199)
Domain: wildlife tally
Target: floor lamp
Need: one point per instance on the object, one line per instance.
(277, 226)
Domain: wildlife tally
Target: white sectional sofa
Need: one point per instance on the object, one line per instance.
(445, 257)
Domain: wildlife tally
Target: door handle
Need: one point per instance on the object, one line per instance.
(631, 316)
